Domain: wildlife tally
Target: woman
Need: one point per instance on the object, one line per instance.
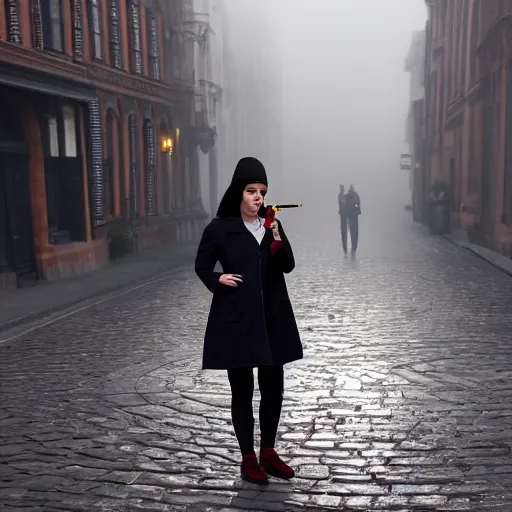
(251, 322)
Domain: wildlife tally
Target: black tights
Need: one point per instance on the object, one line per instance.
(271, 384)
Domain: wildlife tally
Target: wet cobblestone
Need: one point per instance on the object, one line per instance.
(402, 402)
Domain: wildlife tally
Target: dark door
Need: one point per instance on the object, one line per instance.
(65, 199)
(490, 146)
(488, 152)
(16, 216)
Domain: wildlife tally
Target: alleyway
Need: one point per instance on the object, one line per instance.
(403, 401)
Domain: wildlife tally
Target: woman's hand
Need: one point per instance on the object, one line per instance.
(230, 280)
(275, 230)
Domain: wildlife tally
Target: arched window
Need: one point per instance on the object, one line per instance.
(12, 17)
(133, 142)
(96, 41)
(154, 53)
(78, 46)
(150, 161)
(135, 36)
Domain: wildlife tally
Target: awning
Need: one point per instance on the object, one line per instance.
(33, 80)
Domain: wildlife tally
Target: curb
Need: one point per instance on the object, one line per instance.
(105, 294)
(471, 248)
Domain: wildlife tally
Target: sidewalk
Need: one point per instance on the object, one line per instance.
(45, 298)
(459, 237)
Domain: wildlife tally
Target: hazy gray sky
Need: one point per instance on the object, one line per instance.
(345, 91)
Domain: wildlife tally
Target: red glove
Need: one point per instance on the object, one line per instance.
(275, 246)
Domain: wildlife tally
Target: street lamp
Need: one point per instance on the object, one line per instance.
(167, 145)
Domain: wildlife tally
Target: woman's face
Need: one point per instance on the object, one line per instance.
(252, 199)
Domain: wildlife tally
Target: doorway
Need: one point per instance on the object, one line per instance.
(16, 224)
(492, 106)
(17, 253)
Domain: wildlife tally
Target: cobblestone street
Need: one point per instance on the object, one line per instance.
(403, 400)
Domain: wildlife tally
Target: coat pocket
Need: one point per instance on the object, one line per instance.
(232, 314)
(231, 310)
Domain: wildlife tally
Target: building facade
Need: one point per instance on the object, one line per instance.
(250, 113)
(206, 23)
(415, 66)
(97, 126)
(238, 107)
(468, 111)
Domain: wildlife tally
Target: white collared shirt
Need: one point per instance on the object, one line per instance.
(257, 228)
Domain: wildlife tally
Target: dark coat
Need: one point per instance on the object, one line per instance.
(353, 204)
(251, 325)
(342, 204)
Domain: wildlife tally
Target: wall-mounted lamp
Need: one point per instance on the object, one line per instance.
(167, 145)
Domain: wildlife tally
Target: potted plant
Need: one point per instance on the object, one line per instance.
(120, 239)
(439, 208)
(440, 191)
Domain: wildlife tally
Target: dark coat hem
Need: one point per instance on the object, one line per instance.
(225, 368)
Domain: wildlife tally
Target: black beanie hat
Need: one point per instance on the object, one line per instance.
(248, 170)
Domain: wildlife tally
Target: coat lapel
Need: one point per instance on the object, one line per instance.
(236, 225)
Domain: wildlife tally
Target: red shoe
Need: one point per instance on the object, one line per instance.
(274, 466)
(251, 470)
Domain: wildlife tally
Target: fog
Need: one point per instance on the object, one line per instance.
(345, 94)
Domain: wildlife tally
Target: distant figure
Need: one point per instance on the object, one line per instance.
(353, 210)
(342, 211)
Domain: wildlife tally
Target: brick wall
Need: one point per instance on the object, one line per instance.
(150, 236)
(67, 260)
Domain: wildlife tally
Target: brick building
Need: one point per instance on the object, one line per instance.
(97, 104)
(468, 114)
(415, 66)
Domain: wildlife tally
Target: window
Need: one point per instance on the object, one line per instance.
(465, 23)
(53, 136)
(61, 132)
(433, 105)
(97, 46)
(136, 47)
(154, 54)
(178, 58)
(13, 21)
(51, 18)
(172, 56)
(68, 115)
(115, 40)
(451, 38)
(475, 25)
(63, 175)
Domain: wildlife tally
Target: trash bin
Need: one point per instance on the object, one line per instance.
(439, 218)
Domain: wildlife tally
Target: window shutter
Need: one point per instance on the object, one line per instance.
(13, 21)
(78, 48)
